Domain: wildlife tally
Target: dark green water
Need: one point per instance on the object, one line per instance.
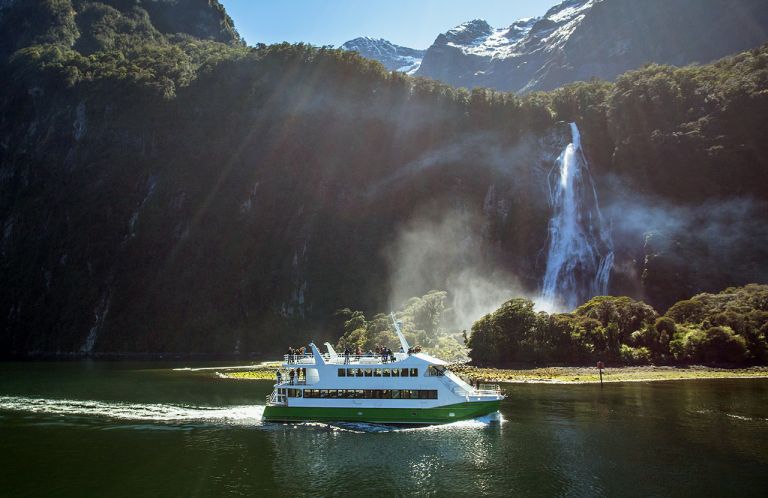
(127, 429)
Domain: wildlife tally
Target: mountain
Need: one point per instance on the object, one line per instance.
(578, 40)
(166, 189)
(394, 57)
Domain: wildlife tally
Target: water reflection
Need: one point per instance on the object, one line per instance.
(384, 460)
(166, 433)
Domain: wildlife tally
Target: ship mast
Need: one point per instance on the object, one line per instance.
(403, 342)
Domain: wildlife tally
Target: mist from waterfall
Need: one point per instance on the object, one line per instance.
(580, 254)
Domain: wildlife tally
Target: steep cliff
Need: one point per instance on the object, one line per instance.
(161, 192)
(578, 40)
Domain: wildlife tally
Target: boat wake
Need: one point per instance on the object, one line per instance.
(242, 415)
(158, 412)
(364, 427)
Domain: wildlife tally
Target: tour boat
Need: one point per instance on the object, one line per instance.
(404, 388)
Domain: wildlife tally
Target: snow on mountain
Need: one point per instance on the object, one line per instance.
(578, 40)
(393, 57)
(478, 38)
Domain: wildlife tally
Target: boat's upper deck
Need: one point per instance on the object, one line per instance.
(342, 359)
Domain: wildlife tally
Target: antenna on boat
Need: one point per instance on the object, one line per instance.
(403, 342)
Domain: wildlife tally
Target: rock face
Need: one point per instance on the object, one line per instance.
(167, 192)
(582, 39)
(394, 57)
(92, 26)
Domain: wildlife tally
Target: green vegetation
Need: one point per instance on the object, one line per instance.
(590, 375)
(263, 371)
(423, 322)
(213, 197)
(725, 328)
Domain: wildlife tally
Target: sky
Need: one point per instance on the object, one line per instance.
(411, 23)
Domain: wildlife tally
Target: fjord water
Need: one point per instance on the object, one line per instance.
(127, 429)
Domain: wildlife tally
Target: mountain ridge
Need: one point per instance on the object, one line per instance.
(190, 195)
(578, 40)
(394, 57)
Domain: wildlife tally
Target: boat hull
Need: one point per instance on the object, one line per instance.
(435, 415)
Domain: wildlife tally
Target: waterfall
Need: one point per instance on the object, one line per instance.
(580, 254)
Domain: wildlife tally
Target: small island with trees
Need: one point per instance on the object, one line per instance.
(723, 335)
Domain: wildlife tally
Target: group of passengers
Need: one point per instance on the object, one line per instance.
(383, 352)
(294, 375)
(293, 353)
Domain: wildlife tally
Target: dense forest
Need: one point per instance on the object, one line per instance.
(730, 327)
(165, 188)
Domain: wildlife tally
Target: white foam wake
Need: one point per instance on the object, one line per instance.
(157, 412)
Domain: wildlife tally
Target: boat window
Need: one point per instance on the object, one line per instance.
(342, 372)
(414, 372)
(386, 372)
(395, 372)
(404, 372)
(350, 372)
(434, 371)
(359, 372)
(377, 372)
(363, 393)
(368, 372)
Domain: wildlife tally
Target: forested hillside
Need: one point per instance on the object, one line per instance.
(730, 327)
(164, 188)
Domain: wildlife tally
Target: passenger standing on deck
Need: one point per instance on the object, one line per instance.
(346, 355)
(292, 374)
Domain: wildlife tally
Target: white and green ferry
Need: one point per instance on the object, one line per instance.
(399, 389)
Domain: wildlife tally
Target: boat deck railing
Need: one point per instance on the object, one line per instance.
(342, 359)
(487, 390)
(276, 399)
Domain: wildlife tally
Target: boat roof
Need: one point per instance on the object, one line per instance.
(430, 359)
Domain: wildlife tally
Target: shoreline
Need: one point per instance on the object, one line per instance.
(590, 375)
(551, 375)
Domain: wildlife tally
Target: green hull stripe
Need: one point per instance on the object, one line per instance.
(436, 415)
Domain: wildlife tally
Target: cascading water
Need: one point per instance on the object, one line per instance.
(580, 255)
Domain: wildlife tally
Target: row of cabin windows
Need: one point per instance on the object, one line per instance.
(364, 393)
(378, 372)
